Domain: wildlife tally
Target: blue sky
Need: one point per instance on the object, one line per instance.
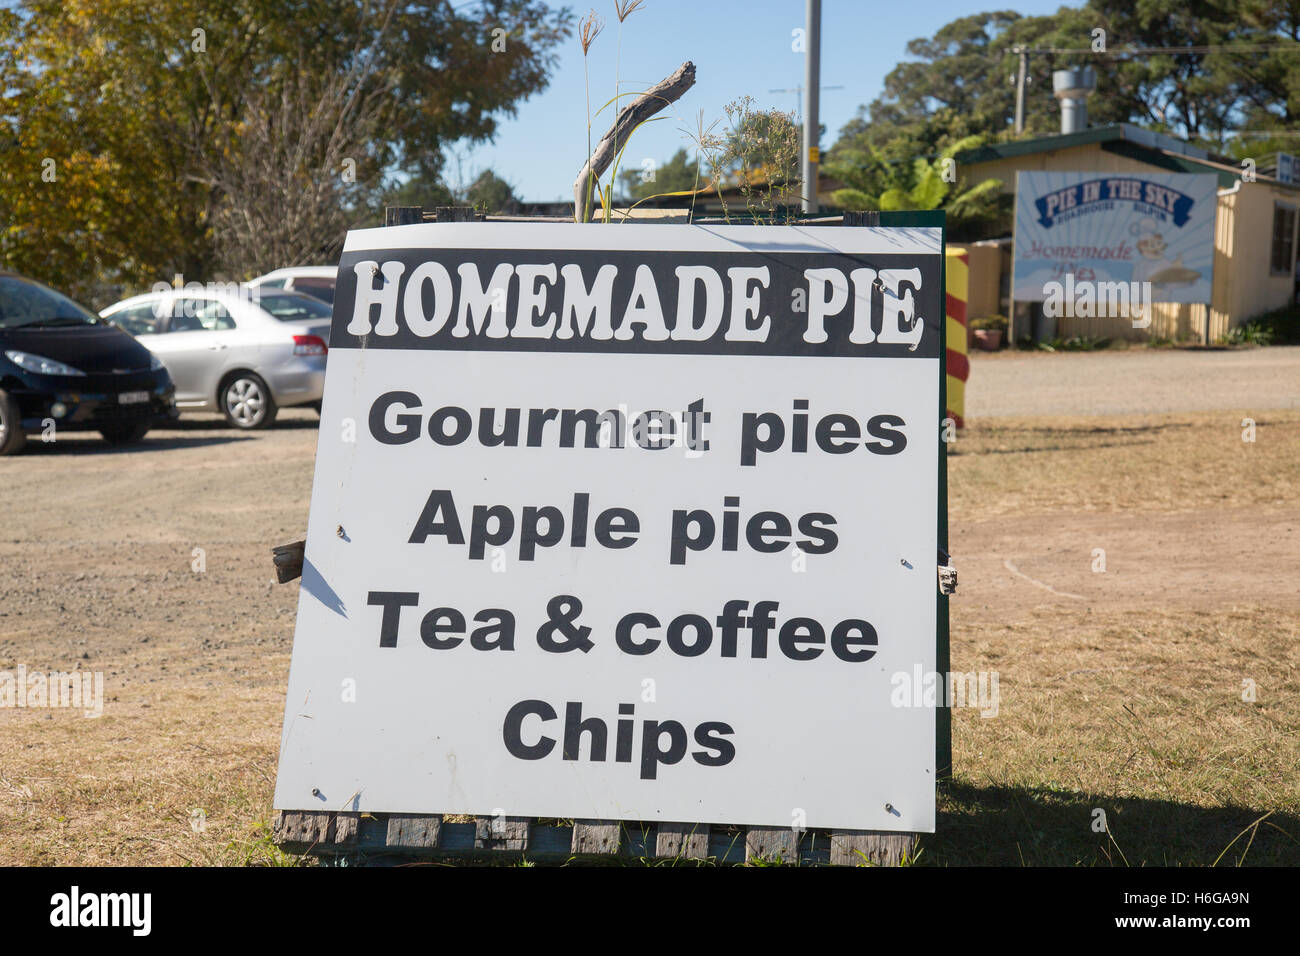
(739, 47)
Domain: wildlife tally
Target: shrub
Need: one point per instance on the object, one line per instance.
(1252, 333)
(1075, 343)
(1279, 327)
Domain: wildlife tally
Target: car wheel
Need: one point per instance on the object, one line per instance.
(246, 401)
(124, 434)
(12, 436)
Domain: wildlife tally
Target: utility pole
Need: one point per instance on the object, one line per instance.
(1023, 52)
(812, 90)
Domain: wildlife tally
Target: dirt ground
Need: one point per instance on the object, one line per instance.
(1137, 380)
(1121, 682)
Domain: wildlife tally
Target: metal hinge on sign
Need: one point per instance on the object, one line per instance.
(288, 560)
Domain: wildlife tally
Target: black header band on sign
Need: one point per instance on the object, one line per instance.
(675, 302)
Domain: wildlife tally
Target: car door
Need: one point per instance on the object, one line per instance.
(237, 336)
(189, 351)
(229, 345)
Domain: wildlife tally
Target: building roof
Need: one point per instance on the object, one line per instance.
(1125, 139)
(1120, 132)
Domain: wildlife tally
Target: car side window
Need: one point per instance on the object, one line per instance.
(138, 319)
(318, 286)
(215, 317)
(185, 316)
(200, 315)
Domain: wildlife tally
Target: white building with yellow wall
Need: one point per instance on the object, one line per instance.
(1255, 237)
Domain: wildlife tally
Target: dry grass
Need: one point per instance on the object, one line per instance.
(1140, 715)
(1125, 699)
(126, 788)
(1123, 464)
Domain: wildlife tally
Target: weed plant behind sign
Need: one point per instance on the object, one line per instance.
(634, 523)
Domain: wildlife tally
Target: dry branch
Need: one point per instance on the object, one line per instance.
(629, 118)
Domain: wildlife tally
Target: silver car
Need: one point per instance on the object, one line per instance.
(241, 351)
(317, 281)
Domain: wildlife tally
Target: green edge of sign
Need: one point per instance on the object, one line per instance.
(937, 219)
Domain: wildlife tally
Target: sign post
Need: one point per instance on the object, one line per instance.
(633, 523)
(957, 287)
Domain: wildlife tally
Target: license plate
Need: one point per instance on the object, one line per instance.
(132, 398)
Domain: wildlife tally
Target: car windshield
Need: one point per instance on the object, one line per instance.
(24, 303)
(288, 306)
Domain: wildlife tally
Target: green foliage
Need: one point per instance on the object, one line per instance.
(414, 191)
(868, 171)
(676, 175)
(755, 154)
(958, 85)
(1075, 343)
(1252, 333)
(1279, 327)
(1196, 95)
(489, 193)
(877, 182)
(1207, 96)
(148, 123)
(759, 153)
(762, 146)
(258, 848)
(990, 322)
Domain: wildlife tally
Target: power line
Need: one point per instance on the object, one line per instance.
(1022, 52)
(798, 93)
(1159, 50)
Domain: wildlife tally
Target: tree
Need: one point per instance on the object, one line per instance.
(961, 84)
(92, 190)
(1270, 81)
(412, 191)
(490, 193)
(153, 113)
(291, 174)
(927, 184)
(867, 172)
(679, 174)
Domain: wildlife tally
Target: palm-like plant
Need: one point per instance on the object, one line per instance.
(875, 182)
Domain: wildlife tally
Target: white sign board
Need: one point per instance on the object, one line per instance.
(624, 522)
(1075, 231)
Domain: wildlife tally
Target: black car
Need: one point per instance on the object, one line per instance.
(63, 366)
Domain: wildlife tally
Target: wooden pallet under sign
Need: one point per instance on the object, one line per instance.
(359, 835)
